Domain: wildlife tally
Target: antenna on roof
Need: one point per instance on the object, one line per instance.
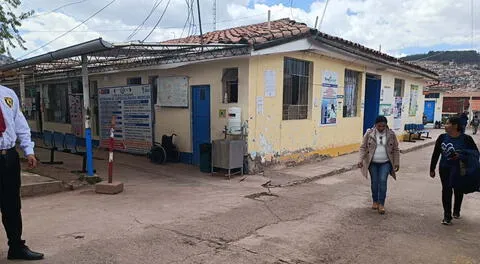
(316, 22)
(323, 15)
(269, 26)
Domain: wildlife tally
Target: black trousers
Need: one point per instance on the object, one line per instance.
(10, 202)
(447, 192)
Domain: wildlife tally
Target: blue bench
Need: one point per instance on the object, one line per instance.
(416, 129)
(76, 145)
(50, 143)
(67, 143)
(421, 130)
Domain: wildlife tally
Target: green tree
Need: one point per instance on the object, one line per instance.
(10, 22)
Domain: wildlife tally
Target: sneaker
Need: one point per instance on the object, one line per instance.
(456, 215)
(446, 221)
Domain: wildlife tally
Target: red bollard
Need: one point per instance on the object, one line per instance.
(110, 155)
(110, 187)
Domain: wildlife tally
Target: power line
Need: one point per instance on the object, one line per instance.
(200, 21)
(136, 30)
(130, 29)
(187, 21)
(58, 8)
(192, 27)
(158, 21)
(62, 35)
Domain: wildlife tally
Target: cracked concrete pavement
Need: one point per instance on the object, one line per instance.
(210, 220)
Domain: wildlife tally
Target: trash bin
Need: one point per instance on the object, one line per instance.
(206, 157)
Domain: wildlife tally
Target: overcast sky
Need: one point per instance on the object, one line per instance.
(399, 26)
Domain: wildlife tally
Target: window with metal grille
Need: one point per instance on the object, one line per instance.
(30, 105)
(230, 85)
(432, 95)
(352, 86)
(399, 88)
(134, 80)
(56, 103)
(296, 86)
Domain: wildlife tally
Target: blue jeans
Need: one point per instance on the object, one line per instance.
(379, 174)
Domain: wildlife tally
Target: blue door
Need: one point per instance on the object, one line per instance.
(429, 111)
(372, 101)
(200, 119)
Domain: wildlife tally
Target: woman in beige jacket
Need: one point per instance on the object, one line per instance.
(379, 156)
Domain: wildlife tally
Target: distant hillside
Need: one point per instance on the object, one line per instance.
(458, 57)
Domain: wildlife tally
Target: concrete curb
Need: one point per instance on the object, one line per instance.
(428, 144)
(346, 168)
(42, 188)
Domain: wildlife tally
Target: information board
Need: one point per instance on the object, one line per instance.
(132, 108)
(172, 92)
(76, 114)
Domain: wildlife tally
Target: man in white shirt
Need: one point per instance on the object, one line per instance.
(13, 127)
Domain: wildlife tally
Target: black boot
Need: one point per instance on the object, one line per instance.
(24, 253)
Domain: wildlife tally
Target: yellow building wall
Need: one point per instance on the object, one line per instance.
(388, 82)
(178, 120)
(272, 139)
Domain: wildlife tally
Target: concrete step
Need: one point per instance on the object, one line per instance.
(35, 185)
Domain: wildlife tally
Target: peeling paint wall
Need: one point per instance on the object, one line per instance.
(272, 140)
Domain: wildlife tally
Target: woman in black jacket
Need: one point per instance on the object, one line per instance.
(450, 146)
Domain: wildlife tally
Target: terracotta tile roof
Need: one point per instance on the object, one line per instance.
(252, 34)
(283, 30)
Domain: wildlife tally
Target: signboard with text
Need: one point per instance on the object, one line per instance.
(132, 108)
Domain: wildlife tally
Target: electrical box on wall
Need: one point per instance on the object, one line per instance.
(234, 124)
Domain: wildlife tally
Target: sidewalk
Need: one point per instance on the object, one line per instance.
(34, 185)
(138, 170)
(310, 172)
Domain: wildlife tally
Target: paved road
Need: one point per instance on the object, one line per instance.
(327, 221)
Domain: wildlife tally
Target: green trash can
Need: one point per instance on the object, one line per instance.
(206, 157)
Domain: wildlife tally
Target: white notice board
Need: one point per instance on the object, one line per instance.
(172, 92)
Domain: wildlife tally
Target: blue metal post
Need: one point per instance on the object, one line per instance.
(88, 139)
(86, 108)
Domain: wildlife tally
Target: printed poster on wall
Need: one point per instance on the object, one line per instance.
(260, 105)
(386, 95)
(76, 113)
(397, 108)
(397, 124)
(132, 108)
(412, 111)
(329, 111)
(270, 83)
(330, 79)
(385, 109)
(329, 98)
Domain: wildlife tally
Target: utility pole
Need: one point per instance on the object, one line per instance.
(214, 15)
(200, 22)
(473, 24)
